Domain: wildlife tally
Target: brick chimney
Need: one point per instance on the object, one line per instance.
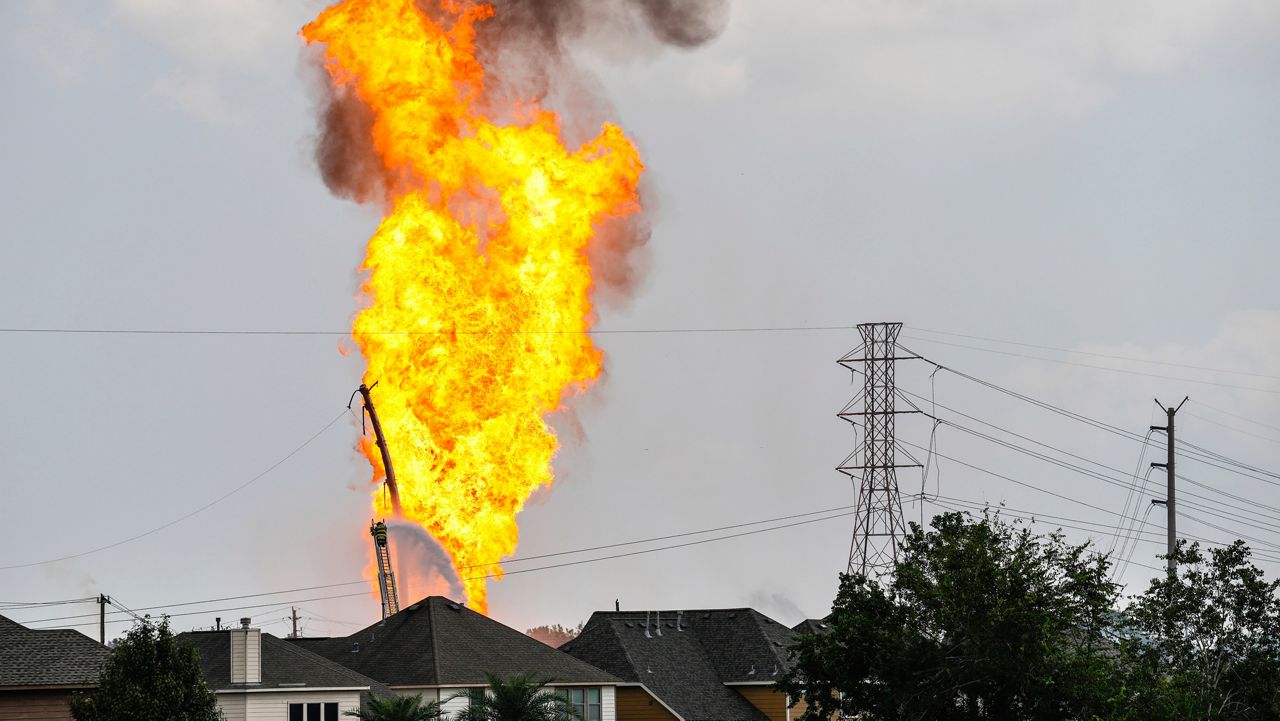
(246, 654)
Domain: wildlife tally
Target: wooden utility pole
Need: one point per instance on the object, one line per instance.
(102, 618)
(1170, 499)
(295, 623)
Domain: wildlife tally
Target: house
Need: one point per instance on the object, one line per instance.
(441, 649)
(812, 627)
(257, 676)
(699, 665)
(40, 669)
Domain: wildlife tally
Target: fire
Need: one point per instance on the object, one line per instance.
(478, 280)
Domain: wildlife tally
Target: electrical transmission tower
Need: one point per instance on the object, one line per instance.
(879, 526)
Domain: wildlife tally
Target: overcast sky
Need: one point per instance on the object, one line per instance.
(1100, 176)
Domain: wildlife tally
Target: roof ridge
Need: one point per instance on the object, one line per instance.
(431, 632)
(626, 653)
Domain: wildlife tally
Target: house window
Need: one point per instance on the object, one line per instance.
(585, 703)
(475, 696)
(313, 711)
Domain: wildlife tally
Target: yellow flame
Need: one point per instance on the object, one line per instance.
(478, 282)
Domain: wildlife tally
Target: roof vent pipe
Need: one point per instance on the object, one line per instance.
(658, 621)
(646, 625)
(680, 621)
(244, 622)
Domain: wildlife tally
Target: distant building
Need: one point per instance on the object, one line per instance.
(441, 649)
(40, 669)
(257, 676)
(701, 665)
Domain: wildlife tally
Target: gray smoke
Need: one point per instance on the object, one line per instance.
(422, 567)
(550, 23)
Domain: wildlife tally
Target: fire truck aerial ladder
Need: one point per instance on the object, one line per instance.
(378, 529)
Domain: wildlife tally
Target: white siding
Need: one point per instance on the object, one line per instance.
(608, 703)
(452, 705)
(273, 706)
(232, 706)
(246, 655)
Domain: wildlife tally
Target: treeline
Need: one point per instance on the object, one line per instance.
(983, 619)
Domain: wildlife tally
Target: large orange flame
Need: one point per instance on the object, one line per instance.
(478, 279)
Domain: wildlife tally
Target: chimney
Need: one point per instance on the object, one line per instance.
(246, 654)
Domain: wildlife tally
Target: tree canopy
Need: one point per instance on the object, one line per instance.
(555, 635)
(1206, 643)
(150, 676)
(983, 619)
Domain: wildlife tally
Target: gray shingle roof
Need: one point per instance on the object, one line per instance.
(438, 642)
(283, 665)
(48, 657)
(688, 668)
(812, 626)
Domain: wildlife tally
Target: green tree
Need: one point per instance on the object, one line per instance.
(520, 698)
(1205, 643)
(980, 619)
(397, 708)
(150, 676)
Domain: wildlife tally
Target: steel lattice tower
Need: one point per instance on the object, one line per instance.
(879, 527)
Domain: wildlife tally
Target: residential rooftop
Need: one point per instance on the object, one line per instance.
(440, 642)
(48, 658)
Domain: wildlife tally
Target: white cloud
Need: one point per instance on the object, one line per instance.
(214, 44)
(58, 37)
(993, 57)
(210, 33)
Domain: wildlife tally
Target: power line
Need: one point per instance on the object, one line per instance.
(1137, 537)
(1031, 486)
(1229, 460)
(1237, 417)
(1080, 417)
(525, 558)
(1234, 429)
(1160, 541)
(18, 605)
(185, 516)
(1026, 515)
(655, 538)
(1095, 355)
(495, 575)
(1097, 367)
(197, 613)
(217, 600)
(443, 331)
(661, 548)
(1069, 466)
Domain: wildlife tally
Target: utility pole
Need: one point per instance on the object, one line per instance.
(1170, 499)
(102, 618)
(295, 622)
(381, 441)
